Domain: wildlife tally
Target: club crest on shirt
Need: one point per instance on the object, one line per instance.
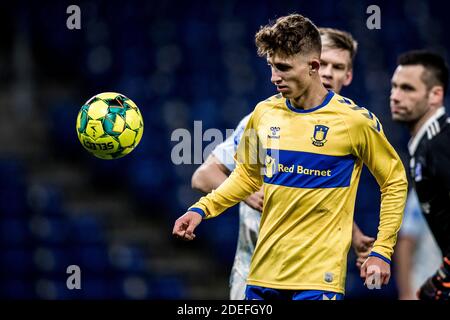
(270, 166)
(319, 135)
(418, 172)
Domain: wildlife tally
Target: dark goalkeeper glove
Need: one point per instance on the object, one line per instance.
(437, 287)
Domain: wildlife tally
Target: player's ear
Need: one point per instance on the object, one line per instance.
(436, 96)
(348, 77)
(314, 66)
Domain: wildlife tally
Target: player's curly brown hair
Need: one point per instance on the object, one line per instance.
(288, 36)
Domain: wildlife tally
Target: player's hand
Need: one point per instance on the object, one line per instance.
(256, 200)
(360, 260)
(362, 245)
(437, 287)
(375, 272)
(185, 225)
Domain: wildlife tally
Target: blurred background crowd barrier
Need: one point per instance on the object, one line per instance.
(179, 61)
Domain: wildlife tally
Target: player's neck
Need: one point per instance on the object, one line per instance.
(313, 97)
(415, 126)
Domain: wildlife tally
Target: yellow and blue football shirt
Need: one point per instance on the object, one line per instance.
(310, 163)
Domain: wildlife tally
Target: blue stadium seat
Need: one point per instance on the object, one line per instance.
(50, 230)
(61, 113)
(53, 260)
(12, 188)
(127, 258)
(16, 261)
(92, 258)
(95, 288)
(136, 287)
(45, 199)
(13, 287)
(86, 229)
(168, 287)
(14, 232)
(223, 232)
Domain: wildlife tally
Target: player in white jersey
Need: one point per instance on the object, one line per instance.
(338, 51)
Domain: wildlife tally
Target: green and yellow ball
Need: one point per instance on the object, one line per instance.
(109, 125)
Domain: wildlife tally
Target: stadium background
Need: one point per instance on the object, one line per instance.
(179, 61)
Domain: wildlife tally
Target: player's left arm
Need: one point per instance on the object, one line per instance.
(373, 148)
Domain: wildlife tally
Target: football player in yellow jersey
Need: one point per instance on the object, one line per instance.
(310, 168)
(336, 71)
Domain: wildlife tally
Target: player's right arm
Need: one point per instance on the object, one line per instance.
(243, 181)
(212, 173)
(220, 163)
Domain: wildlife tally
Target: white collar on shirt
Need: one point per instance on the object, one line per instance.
(431, 126)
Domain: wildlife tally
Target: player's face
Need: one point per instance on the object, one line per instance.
(335, 71)
(291, 75)
(409, 94)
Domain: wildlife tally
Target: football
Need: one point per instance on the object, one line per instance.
(109, 125)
